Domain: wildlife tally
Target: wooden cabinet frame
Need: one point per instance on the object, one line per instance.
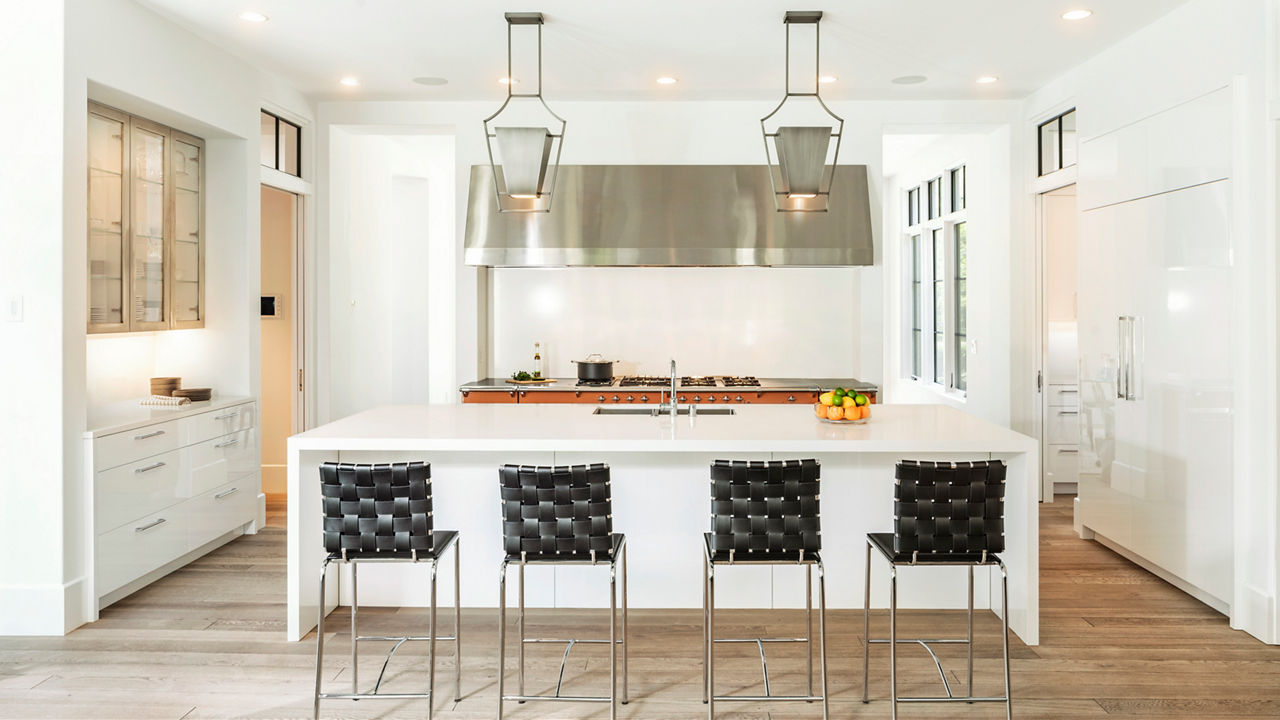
(169, 322)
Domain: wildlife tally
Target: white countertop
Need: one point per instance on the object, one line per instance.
(573, 427)
(122, 416)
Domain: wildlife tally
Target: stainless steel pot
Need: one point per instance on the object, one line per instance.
(595, 369)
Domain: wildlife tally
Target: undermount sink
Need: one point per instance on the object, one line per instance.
(656, 411)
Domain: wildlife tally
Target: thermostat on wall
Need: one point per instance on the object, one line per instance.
(272, 306)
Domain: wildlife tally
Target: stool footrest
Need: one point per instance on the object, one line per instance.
(401, 638)
(372, 696)
(953, 699)
(912, 641)
(568, 641)
(768, 698)
(558, 698)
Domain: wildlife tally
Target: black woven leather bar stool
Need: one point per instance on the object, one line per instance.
(945, 514)
(764, 513)
(561, 515)
(382, 514)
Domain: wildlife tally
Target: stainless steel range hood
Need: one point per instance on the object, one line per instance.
(611, 215)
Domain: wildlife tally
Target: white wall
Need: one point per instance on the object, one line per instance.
(984, 153)
(390, 203)
(1201, 46)
(768, 322)
(58, 57)
(641, 132)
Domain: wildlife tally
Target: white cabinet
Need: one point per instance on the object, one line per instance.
(165, 488)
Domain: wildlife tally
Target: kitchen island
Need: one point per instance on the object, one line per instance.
(660, 475)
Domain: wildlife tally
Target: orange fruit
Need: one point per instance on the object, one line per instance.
(835, 413)
(864, 412)
(821, 409)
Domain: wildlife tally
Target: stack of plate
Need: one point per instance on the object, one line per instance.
(195, 394)
(165, 385)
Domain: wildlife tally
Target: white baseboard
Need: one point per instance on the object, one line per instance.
(1255, 613)
(43, 609)
(1215, 603)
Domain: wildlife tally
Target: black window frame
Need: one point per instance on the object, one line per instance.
(298, 128)
(1056, 121)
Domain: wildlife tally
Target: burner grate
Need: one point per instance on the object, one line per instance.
(743, 381)
(643, 381)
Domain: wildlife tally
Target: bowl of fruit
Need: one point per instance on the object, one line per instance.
(843, 406)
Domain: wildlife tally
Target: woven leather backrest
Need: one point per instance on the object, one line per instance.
(765, 507)
(949, 508)
(376, 508)
(561, 510)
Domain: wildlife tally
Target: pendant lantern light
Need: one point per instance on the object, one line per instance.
(528, 153)
(802, 157)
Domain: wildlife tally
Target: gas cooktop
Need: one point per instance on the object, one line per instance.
(686, 381)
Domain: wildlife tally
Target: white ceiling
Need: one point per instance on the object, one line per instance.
(610, 50)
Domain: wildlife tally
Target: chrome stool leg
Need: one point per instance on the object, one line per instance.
(502, 633)
(431, 646)
(866, 629)
(969, 635)
(457, 621)
(706, 570)
(1004, 639)
(320, 638)
(355, 666)
(893, 642)
(822, 634)
(613, 642)
(711, 643)
(520, 631)
(808, 625)
(626, 694)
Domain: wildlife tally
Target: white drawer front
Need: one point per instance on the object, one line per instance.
(216, 423)
(130, 491)
(1063, 426)
(1063, 463)
(214, 462)
(221, 510)
(135, 549)
(1064, 396)
(114, 450)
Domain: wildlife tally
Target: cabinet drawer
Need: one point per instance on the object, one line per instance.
(137, 548)
(220, 510)
(216, 423)
(114, 450)
(1064, 396)
(1063, 463)
(130, 491)
(213, 462)
(1063, 426)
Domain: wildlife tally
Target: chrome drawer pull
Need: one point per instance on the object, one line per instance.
(225, 416)
(1068, 412)
(149, 435)
(226, 493)
(149, 468)
(1068, 450)
(1068, 391)
(228, 443)
(148, 526)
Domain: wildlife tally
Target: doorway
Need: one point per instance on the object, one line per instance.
(1059, 379)
(280, 336)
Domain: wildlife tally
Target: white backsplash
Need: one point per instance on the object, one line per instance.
(768, 322)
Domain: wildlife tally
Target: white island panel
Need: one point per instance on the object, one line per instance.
(660, 473)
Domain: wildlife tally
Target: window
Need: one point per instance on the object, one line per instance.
(960, 251)
(1057, 143)
(957, 189)
(281, 142)
(935, 292)
(939, 306)
(917, 310)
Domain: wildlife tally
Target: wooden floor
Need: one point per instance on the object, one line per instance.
(208, 641)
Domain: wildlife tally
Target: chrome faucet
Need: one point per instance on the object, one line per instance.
(674, 405)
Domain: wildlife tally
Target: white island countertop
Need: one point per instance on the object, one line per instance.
(572, 428)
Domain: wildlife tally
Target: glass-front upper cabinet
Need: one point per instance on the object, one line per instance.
(146, 225)
(108, 257)
(188, 232)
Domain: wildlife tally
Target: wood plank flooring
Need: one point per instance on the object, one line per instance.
(208, 642)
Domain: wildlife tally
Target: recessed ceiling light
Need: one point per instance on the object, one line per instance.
(350, 81)
(253, 16)
(509, 81)
(987, 79)
(666, 80)
(828, 79)
(430, 80)
(909, 80)
(1076, 14)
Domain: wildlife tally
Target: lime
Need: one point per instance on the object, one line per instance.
(838, 393)
(861, 399)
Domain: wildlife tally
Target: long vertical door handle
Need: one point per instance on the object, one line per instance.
(1122, 370)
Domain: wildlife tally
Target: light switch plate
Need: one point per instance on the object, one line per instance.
(13, 308)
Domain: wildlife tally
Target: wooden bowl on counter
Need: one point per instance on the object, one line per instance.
(194, 394)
